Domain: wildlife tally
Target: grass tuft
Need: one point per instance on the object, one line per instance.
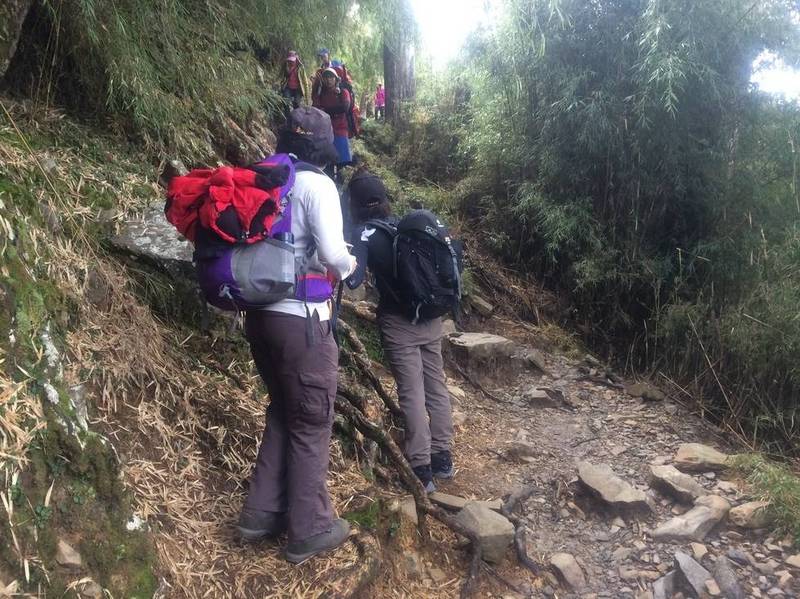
(779, 485)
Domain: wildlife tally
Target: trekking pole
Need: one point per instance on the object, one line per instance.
(335, 316)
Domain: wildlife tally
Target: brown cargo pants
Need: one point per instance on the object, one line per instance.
(415, 357)
(292, 463)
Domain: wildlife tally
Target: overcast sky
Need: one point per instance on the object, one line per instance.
(445, 25)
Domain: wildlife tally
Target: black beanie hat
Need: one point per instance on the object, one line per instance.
(367, 189)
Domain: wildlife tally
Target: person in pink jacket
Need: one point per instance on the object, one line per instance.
(380, 102)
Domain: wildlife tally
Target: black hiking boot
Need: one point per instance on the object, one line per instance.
(337, 534)
(255, 525)
(442, 465)
(425, 476)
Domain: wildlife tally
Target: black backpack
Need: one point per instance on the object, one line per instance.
(427, 265)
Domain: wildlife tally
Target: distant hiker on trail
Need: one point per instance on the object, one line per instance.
(324, 56)
(336, 101)
(294, 350)
(411, 340)
(294, 80)
(346, 82)
(341, 70)
(380, 102)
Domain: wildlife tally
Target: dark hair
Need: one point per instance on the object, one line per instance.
(379, 210)
(368, 199)
(316, 152)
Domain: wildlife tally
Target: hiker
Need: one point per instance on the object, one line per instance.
(293, 72)
(380, 102)
(324, 56)
(294, 351)
(412, 348)
(346, 82)
(336, 101)
(341, 70)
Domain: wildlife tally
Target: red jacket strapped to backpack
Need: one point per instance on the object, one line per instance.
(202, 196)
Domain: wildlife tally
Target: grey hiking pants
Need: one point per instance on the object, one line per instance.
(415, 357)
(292, 462)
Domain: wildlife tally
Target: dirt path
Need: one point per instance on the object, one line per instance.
(505, 441)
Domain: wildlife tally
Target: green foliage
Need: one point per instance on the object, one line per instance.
(618, 151)
(368, 517)
(776, 483)
(170, 73)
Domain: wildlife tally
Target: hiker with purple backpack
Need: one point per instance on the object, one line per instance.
(416, 268)
(268, 242)
(294, 350)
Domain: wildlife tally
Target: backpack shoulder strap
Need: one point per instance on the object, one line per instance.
(382, 225)
(301, 167)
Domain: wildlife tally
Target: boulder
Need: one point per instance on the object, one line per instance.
(481, 306)
(155, 240)
(695, 524)
(664, 587)
(793, 561)
(671, 481)
(448, 502)
(536, 359)
(646, 391)
(494, 531)
(539, 398)
(481, 346)
(568, 569)
(67, 556)
(695, 457)
(455, 503)
(698, 550)
(726, 579)
(614, 491)
(713, 588)
(691, 575)
(520, 451)
(753, 514)
(12, 16)
(448, 327)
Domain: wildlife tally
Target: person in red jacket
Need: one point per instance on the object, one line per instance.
(336, 102)
(293, 84)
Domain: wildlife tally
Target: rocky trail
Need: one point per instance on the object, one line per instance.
(629, 500)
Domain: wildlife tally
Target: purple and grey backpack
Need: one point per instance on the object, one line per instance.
(243, 276)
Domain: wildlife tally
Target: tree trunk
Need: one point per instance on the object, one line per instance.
(12, 15)
(398, 74)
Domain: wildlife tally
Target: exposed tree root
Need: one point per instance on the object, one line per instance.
(520, 546)
(369, 565)
(409, 479)
(361, 360)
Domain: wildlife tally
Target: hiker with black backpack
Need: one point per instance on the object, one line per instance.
(268, 241)
(416, 267)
